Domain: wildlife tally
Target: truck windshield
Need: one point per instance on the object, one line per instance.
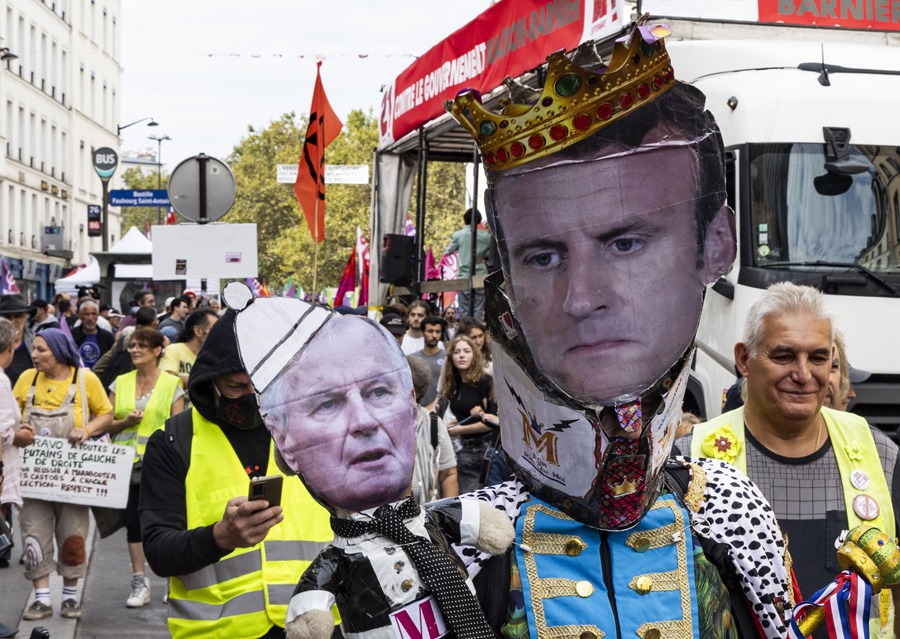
(803, 214)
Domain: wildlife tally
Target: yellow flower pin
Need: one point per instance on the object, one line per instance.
(854, 451)
(722, 444)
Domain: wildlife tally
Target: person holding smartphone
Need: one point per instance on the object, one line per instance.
(199, 526)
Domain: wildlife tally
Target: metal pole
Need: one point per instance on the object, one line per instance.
(159, 176)
(420, 213)
(202, 158)
(103, 225)
(159, 140)
(474, 231)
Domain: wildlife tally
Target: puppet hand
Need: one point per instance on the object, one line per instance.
(495, 530)
(245, 523)
(312, 624)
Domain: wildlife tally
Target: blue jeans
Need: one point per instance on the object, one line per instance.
(500, 470)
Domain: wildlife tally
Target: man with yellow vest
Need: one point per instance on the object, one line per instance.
(823, 471)
(232, 563)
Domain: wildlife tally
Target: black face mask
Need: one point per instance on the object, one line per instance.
(241, 412)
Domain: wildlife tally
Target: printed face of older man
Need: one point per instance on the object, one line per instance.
(605, 272)
(348, 425)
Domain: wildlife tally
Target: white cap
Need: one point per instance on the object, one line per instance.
(270, 330)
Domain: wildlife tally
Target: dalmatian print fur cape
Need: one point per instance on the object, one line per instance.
(725, 506)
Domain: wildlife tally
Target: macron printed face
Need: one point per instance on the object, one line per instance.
(603, 267)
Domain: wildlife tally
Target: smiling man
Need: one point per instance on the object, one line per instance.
(824, 471)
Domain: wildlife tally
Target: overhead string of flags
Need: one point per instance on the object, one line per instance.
(310, 56)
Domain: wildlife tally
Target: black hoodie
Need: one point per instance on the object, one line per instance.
(171, 548)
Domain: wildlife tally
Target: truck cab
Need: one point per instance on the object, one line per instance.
(813, 175)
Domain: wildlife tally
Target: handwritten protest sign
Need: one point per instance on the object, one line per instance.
(91, 473)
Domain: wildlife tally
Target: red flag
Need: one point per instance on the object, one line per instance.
(309, 188)
(431, 270)
(348, 279)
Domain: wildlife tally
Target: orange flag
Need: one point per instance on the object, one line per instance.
(309, 188)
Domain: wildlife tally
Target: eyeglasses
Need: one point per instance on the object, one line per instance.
(137, 347)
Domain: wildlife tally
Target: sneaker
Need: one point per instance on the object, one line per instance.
(37, 610)
(71, 609)
(140, 592)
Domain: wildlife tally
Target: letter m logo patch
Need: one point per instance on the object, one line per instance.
(544, 443)
(419, 620)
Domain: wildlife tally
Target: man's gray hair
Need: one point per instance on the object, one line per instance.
(89, 302)
(7, 334)
(783, 298)
(275, 400)
(421, 376)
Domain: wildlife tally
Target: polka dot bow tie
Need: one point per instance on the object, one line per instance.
(440, 574)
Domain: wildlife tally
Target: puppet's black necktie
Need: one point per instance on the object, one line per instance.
(442, 577)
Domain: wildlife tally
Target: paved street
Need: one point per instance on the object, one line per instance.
(103, 598)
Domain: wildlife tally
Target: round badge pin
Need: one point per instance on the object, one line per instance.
(865, 507)
(859, 479)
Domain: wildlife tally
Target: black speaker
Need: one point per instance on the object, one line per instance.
(398, 261)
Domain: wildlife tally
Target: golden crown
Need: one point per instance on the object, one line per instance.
(574, 104)
(625, 487)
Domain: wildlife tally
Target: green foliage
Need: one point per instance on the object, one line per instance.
(445, 203)
(138, 179)
(285, 246)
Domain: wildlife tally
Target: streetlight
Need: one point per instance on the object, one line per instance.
(119, 128)
(159, 140)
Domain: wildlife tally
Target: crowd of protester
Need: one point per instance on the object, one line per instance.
(81, 370)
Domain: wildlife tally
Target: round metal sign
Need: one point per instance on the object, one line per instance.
(202, 179)
(105, 162)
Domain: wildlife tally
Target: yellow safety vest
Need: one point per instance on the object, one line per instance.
(854, 449)
(248, 591)
(158, 410)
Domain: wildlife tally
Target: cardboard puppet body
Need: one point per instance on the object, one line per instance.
(336, 394)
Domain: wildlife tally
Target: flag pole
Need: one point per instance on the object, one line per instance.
(316, 247)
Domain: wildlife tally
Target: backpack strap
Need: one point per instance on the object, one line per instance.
(180, 434)
(434, 430)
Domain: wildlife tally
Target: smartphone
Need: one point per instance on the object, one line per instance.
(268, 488)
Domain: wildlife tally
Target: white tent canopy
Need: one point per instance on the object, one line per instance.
(133, 242)
(87, 275)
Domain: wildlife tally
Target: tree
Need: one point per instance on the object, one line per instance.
(137, 179)
(285, 245)
(445, 203)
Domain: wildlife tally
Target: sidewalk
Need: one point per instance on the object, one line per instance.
(103, 595)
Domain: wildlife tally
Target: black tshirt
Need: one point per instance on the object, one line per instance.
(468, 397)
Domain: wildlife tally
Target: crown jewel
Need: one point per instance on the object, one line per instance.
(574, 104)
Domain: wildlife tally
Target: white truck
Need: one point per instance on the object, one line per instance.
(809, 116)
